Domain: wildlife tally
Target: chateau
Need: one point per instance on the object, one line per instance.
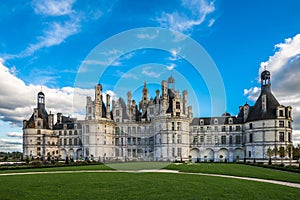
(160, 129)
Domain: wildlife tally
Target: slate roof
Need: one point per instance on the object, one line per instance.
(210, 120)
(256, 113)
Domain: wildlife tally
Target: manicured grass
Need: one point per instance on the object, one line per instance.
(138, 165)
(237, 170)
(67, 168)
(137, 186)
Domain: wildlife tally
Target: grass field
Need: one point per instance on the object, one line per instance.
(237, 170)
(68, 168)
(121, 185)
(137, 186)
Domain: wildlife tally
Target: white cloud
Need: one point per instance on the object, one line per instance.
(56, 34)
(284, 66)
(147, 36)
(196, 12)
(171, 67)
(17, 99)
(252, 93)
(15, 134)
(147, 71)
(127, 75)
(53, 7)
(211, 22)
(9, 145)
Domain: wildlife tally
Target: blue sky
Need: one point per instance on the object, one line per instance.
(48, 45)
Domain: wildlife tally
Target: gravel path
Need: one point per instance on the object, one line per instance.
(296, 185)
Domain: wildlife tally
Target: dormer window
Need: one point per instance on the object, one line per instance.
(201, 122)
(216, 121)
(230, 121)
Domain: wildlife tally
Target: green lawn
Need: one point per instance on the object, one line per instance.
(137, 186)
(68, 168)
(236, 170)
(138, 165)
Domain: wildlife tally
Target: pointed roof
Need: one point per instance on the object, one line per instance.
(256, 112)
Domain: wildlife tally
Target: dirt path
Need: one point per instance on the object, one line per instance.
(296, 185)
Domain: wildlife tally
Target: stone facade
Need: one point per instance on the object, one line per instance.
(162, 129)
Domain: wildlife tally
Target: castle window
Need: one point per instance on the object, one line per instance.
(128, 130)
(223, 139)
(177, 105)
(249, 154)
(75, 141)
(281, 136)
(65, 142)
(59, 132)
(250, 137)
(230, 139)
(208, 128)
(139, 130)
(179, 152)
(238, 139)
(194, 129)
(117, 113)
(237, 128)
(201, 129)
(216, 140)
(117, 130)
(289, 124)
(195, 140)
(177, 114)
(38, 132)
(230, 128)
(173, 126)
(223, 128)
(179, 126)
(201, 139)
(179, 139)
(250, 126)
(216, 121)
(65, 132)
(281, 124)
(89, 110)
(70, 132)
(87, 128)
(280, 113)
(75, 132)
(133, 130)
(208, 139)
(230, 121)
(289, 137)
(216, 128)
(201, 122)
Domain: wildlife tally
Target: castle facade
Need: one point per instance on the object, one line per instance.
(161, 129)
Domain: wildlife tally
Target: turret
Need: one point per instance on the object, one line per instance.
(107, 106)
(41, 100)
(265, 81)
(98, 101)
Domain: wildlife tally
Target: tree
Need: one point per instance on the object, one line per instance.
(270, 153)
(290, 152)
(282, 153)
